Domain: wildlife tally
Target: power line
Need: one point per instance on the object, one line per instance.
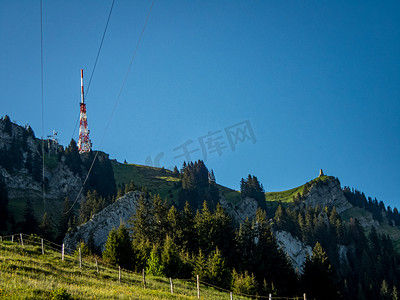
(41, 77)
(115, 104)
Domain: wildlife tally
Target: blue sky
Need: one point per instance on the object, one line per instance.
(303, 85)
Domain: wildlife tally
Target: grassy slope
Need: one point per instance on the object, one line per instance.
(159, 181)
(360, 213)
(156, 180)
(26, 274)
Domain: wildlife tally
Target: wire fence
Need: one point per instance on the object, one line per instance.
(191, 287)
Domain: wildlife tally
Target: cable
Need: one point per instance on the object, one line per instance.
(115, 105)
(41, 76)
(97, 58)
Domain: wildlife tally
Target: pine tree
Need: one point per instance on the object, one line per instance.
(176, 171)
(170, 258)
(110, 252)
(72, 158)
(154, 263)
(118, 248)
(3, 205)
(65, 219)
(200, 266)
(189, 241)
(45, 230)
(244, 283)
(384, 292)
(395, 293)
(174, 227)
(218, 272)
(85, 250)
(29, 223)
(280, 217)
(318, 276)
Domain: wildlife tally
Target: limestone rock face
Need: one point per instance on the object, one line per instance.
(20, 182)
(327, 193)
(101, 223)
(294, 248)
(245, 208)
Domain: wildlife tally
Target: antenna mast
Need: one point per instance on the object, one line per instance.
(84, 143)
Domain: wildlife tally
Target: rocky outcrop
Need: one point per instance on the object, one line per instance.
(21, 166)
(246, 208)
(329, 193)
(294, 248)
(101, 223)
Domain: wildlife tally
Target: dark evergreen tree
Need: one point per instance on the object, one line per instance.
(318, 276)
(65, 219)
(171, 261)
(3, 205)
(118, 248)
(252, 188)
(218, 272)
(29, 224)
(72, 158)
(189, 241)
(90, 206)
(176, 171)
(101, 178)
(45, 228)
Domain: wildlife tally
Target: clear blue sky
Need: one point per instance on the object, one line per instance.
(316, 83)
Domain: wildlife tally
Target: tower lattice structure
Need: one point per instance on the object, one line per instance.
(84, 143)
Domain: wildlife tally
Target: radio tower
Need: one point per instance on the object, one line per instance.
(84, 143)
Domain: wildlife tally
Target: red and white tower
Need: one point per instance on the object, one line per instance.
(84, 143)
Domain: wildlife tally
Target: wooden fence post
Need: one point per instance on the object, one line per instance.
(1, 238)
(304, 295)
(22, 242)
(80, 258)
(172, 287)
(12, 239)
(119, 274)
(62, 252)
(270, 297)
(42, 247)
(97, 265)
(144, 279)
(198, 287)
(231, 296)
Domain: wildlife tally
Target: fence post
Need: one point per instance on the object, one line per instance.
(304, 295)
(97, 265)
(42, 247)
(12, 239)
(270, 297)
(22, 242)
(1, 238)
(62, 252)
(119, 274)
(231, 296)
(172, 287)
(198, 287)
(80, 258)
(144, 279)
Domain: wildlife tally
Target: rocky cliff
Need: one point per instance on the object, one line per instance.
(246, 208)
(294, 248)
(22, 170)
(100, 224)
(327, 192)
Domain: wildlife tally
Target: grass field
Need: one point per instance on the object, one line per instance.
(27, 274)
(156, 180)
(160, 181)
